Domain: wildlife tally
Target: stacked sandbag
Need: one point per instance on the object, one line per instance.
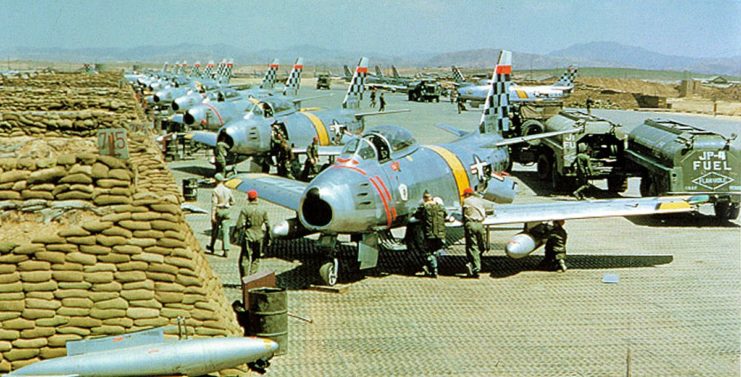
(67, 80)
(61, 123)
(66, 100)
(130, 263)
(137, 267)
(101, 180)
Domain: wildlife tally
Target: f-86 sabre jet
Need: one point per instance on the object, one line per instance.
(378, 180)
(476, 94)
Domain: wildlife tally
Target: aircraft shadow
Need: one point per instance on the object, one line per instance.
(409, 263)
(202, 171)
(683, 220)
(543, 188)
(502, 266)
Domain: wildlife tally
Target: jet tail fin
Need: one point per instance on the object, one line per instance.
(495, 117)
(348, 73)
(208, 70)
(457, 74)
(268, 82)
(226, 74)
(293, 83)
(394, 71)
(357, 86)
(568, 77)
(379, 72)
(195, 72)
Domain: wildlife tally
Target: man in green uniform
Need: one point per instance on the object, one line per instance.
(220, 156)
(433, 224)
(312, 157)
(474, 213)
(555, 246)
(285, 157)
(583, 165)
(221, 200)
(253, 223)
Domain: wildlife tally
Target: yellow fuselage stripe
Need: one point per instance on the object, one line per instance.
(253, 100)
(456, 166)
(521, 93)
(321, 131)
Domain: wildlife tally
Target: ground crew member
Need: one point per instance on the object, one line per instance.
(276, 137)
(459, 101)
(253, 223)
(373, 97)
(583, 166)
(433, 225)
(589, 104)
(220, 152)
(221, 200)
(474, 213)
(381, 103)
(312, 158)
(285, 157)
(555, 246)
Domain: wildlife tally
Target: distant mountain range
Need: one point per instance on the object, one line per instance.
(594, 54)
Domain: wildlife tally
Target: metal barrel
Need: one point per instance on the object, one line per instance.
(190, 189)
(268, 314)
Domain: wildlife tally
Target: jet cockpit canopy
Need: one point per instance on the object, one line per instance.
(382, 143)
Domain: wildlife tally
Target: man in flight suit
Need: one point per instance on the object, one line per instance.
(555, 246)
(433, 224)
(221, 200)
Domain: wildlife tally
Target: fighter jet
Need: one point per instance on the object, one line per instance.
(251, 136)
(149, 353)
(165, 96)
(377, 183)
(197, 97)
(215, 114)
(476, 94)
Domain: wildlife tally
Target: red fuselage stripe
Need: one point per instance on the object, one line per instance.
(215, 112)
(383, 200)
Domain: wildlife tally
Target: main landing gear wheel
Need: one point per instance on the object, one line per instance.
(329, 272)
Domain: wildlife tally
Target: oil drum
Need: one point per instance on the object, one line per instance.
(190, 189)
(268, 315)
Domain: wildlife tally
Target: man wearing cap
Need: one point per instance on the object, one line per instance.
(253, 222)
(474, 213)
(312, 157)
(221, 200)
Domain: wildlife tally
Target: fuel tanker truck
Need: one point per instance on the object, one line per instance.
(673, 158)
(579, 132)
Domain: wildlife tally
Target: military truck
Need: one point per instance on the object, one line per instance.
(323, 81)
(424, 91)
(675, 158)
(555, 155)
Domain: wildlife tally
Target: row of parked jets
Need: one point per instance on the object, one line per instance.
(379, 174)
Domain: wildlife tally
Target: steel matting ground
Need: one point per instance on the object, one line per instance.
(676, 310)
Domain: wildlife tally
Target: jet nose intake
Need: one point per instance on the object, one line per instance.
(316, 211)
(175, 106)
(188, 118)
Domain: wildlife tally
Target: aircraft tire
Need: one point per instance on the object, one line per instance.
(617, 183)
(329, 272)
(545, 166)
(725, 211)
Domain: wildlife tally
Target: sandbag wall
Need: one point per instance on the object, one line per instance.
(110, 251)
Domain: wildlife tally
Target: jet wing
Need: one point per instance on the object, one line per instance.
(391, 87)
(330, 150)
(281, 191)
(203, 137)
(536, 212)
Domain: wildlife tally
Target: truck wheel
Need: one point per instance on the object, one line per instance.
(645, 185)
(545, 167)
(617, 183)
(437, 99)
(725, 211)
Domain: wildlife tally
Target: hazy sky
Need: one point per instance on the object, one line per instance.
(682, 27)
